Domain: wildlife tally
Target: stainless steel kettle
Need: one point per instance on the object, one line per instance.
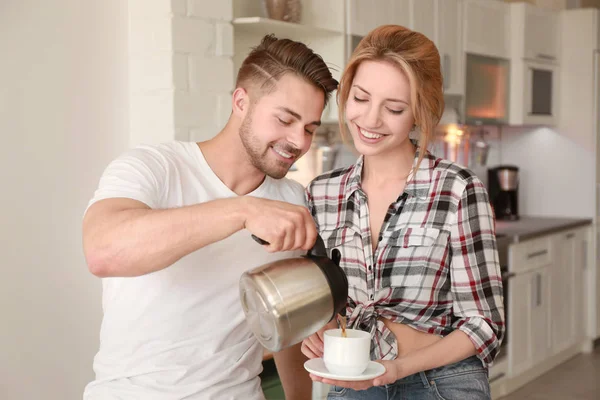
(288, 300)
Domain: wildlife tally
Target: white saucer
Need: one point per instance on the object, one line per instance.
(317, 367)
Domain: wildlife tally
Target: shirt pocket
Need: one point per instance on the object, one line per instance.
(349, 243)
(412, 258)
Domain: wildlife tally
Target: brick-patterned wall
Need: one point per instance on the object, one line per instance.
(181, 69)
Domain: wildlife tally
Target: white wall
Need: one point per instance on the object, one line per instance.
(181, 69)
(63, 116)
(556, 174)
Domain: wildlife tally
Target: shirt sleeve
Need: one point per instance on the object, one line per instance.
(475, 272)
(138, 174)
(310, 203)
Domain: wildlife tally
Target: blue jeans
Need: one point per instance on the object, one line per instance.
(464, 380)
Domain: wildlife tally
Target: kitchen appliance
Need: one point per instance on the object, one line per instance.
(288, 300)
(503, 186)
(487, 90)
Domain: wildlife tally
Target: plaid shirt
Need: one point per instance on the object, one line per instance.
(436, 265)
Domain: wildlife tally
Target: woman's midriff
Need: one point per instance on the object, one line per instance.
(409, 339)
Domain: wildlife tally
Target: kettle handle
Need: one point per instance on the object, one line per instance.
(318, 250)
(260, 241)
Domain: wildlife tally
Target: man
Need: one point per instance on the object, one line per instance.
(169, 229)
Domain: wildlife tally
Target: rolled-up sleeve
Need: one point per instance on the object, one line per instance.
(476, 281)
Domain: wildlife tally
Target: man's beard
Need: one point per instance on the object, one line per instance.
(259, 156)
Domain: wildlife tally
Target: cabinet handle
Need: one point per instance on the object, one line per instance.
(539, 289)
(534, 291)
(545, 56)
(585, 254)
(570, 235)
(507, 275)
(537, 253)
(446, 69)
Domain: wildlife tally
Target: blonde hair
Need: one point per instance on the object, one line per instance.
(418, 58)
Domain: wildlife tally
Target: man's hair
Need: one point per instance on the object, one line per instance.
(273, 58)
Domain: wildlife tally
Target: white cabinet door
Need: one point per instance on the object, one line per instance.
(541, 33)
(400, 13)
(364, 16)
(486, 30)
(529, 324)
(562, 296)
(540, 316)
(519, 347)
(422, 17)
(361, 17)
(568, 293)
(450, 45)
(596, 265)
(580, 263)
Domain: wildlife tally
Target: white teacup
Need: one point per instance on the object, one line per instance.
(346, 356)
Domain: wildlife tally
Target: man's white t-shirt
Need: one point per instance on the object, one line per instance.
(180, 333)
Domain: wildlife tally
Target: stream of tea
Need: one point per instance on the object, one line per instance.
(342, 322)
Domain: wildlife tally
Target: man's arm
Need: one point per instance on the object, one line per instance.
(296, 382)
(124, 237)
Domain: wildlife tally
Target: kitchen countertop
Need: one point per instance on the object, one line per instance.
(531, 227)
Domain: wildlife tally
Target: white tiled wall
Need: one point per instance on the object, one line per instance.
(181, 69)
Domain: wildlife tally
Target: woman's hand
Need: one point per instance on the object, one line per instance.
(312, 346)
(391, 375)
(452, 348)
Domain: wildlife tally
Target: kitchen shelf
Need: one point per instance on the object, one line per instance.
(283, 29)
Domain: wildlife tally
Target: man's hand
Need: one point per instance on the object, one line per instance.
(283, 225)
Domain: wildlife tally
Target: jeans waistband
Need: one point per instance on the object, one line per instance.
(470, 364)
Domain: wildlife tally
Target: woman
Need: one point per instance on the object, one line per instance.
(416, 232)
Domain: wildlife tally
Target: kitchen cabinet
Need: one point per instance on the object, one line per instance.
(567, 290)
(540, 316)
(562, 298)
(529, 303)
(534, 74)
(364, 16)
(529, 312)
(519, 326)
(360, 17)
(486, 28)
(541, 30)
(580, 78)
(422, 17)
(547, 299)
(580, 120)
(448, 39)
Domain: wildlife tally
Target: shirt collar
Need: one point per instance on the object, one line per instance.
(418, 184)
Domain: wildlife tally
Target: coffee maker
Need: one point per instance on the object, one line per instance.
(503, 185)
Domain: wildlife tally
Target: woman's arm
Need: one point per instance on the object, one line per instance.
(294, 378)
(475, 277)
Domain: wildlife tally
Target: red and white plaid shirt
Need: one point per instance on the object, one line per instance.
(436, 265)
